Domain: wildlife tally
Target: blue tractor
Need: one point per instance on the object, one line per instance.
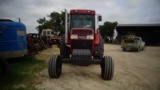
(13, 41)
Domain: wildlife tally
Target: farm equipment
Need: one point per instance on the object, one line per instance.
(53, 39)
(56, 40)
(82, 44)
(37, 38)
(32, 48)
(47, 41)
(34, 43)
(132, 42)
(13, 41)
(47, 34)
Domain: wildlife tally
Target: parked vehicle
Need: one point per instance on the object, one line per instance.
(54, 39)
(82, 44)
(13, 42)
(132, 42)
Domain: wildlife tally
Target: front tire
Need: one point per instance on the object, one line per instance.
(54, 66)
(107, 68)
(138, 49)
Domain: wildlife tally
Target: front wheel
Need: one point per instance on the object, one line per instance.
(54, 66)
(138, 49)
(107, 68)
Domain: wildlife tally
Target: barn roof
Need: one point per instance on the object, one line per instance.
(135, 25)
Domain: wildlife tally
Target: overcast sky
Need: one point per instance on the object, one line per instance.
(122, 11)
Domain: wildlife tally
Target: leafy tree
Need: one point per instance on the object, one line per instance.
(107, 28)
(55, 22)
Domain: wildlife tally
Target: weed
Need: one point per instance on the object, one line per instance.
(21, 73)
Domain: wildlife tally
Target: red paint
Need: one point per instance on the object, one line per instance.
(82, 11)
(96, 42)
(92, 47)
(70, 41)
(82, 29)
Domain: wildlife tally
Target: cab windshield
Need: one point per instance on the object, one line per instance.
(82, 21)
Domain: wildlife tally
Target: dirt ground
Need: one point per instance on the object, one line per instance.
(133, 71)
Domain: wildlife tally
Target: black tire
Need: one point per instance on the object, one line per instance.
(107, 68)
(4, 66)
(54, 66)
(124, 49)
(64, 49)
(99, 49)
(138, 49)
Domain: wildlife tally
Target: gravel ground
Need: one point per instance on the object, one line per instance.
(133, 71)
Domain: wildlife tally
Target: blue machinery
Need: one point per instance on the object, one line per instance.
(13, 41)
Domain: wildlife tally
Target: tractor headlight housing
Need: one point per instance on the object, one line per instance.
(74, 36)
(90, 37)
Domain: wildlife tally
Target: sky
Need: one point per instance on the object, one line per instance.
(122, 11)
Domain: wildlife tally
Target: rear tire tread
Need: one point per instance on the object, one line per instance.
(99, 49)
(63, 48)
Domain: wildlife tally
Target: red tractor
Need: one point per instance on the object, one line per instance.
(82, 44)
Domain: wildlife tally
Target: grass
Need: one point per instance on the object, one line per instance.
(21, 74)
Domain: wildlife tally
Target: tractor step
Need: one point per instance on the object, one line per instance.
(81, 57)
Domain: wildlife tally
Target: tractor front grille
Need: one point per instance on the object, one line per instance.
(81, 44)
(82, 32)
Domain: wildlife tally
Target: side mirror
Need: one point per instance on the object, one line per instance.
(99, 18)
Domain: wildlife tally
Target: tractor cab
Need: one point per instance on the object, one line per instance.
(81, 29)
(84, 19)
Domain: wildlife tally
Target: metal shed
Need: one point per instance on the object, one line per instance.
(150, 33)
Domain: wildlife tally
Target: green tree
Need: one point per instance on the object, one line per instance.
(107, 28)
(55, 22)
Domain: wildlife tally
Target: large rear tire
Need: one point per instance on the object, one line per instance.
(64, 49)
(107, 68)
(54, 66)
(99, 49)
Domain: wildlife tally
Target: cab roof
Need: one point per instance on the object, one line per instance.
(82, 11)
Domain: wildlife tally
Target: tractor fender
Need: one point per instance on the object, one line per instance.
(97, 39)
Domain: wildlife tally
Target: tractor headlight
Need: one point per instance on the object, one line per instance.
(74, 36)
(90, 37)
